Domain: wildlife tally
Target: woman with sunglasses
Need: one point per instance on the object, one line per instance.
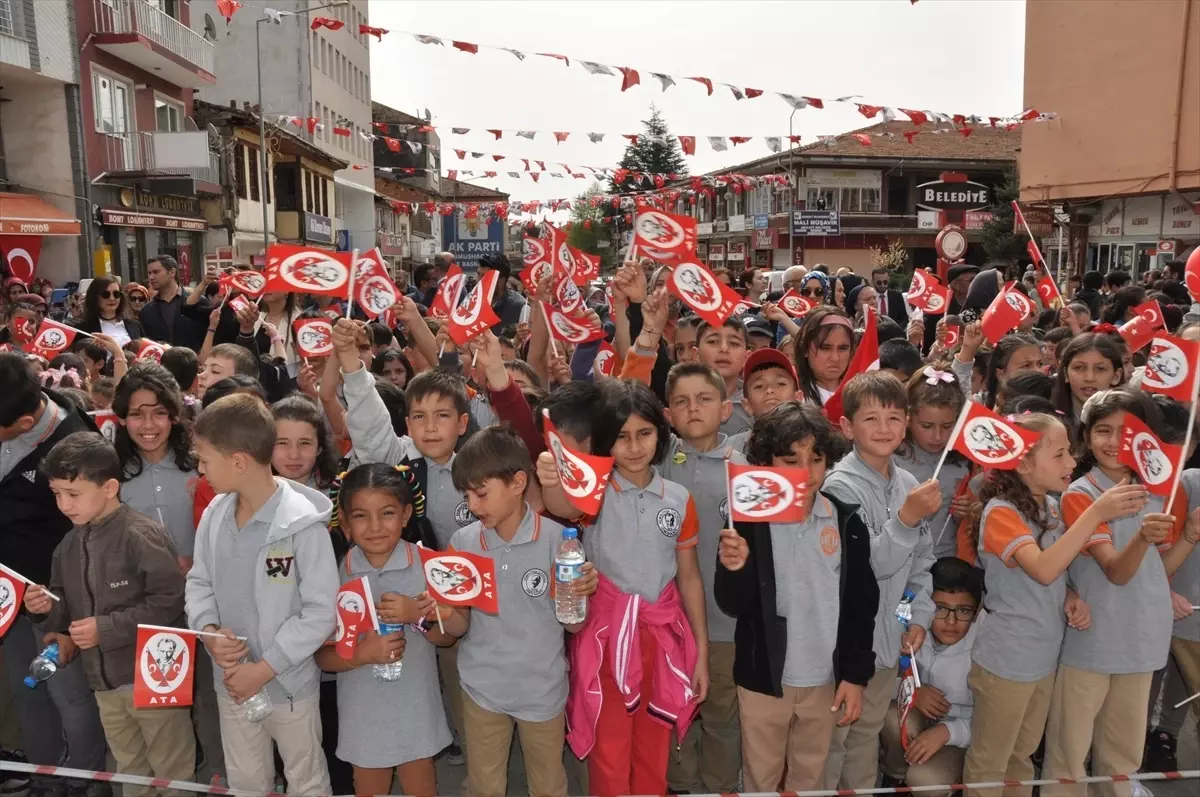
(137, 295)
(815, 287)
(105, 310)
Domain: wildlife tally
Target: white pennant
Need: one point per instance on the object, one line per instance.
(718, 143)
(774, 143)
(595, 69)
(666, 80)
(595, 138)
(529, 134)
(520, 55)
(799, 103)
(423, 39)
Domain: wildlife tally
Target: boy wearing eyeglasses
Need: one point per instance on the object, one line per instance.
(938, 728)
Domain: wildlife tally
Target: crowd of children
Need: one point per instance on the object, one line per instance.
(1037, 603)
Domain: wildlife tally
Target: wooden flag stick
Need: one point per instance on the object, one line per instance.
(549, 331)
(350, 284)
(912, 657)
(1187, 443)
(958, 425)
(1041, 260)
(210, 634)
(27, 582)
(728, 497)
(1189, 700)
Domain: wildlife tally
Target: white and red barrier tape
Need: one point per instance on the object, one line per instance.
(201, 788)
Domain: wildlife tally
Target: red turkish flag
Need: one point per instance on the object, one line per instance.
(164, 667)
(12, 592)
(460, 578)
(251, 283)
(1152, 312)
(688, 144)
(584, 477)
(239, 304)
(866, 358)
(570, 330)
(663, 237)
(953, 334)
(1191, 274)
(605, 364)
(374, 290)
(1004, 314)
(767, 495)
(25, 330)
(989, 440)
(1171, 368)
(355, 615)
(52, 339)
(302, 269)
(1048, 292)
(1137, 333)
(447, 295)
(313, 336)
(475, 314)
(927, 293)
(794, 304)
(707, 296)
(1152, 460)
(21, 252)
(327, 22)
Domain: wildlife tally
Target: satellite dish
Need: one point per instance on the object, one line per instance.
(210, 29)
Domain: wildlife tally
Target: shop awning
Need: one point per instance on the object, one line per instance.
(25, 214)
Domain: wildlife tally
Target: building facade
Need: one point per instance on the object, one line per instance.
(320, 74)
(1128, 181)
(43, 178)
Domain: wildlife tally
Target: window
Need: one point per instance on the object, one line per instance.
(253, 154)
(846, 200)
(168, 116)
(110, 98)
(324, 57)
(6, 17)
(239, 170)
(308, 192)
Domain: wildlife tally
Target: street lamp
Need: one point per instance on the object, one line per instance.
(262, 116)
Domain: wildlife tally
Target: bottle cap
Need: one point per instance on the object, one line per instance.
(570, 533)
(30, 681)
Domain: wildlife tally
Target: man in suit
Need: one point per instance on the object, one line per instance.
(889, 303)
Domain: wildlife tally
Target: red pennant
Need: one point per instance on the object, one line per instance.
(448, 293)
(394, 145)
(562, 58)
(739, 139)
(927, 293)
(866, 358)
(374, 290)
(605, 364)
(794, 304)
(767, 495)
(313, 336)
(703, 81)
(632, 138)
(569, 330)
(707, 296)
(466, 47)
(1171, 368)
(862, 138)
(460, 578)
(251, 283)
(584, 477)
(12, 592)
(367, 30)
(561, 137)
(663, 237)
(986, 439)
(227, 8)
(327, 22)
(1152, 312)
(688, 144)
(301, 269)
(21, 252)
(869, 111)
(496, 133)
(338, 130)
(909, 135)
(752, 93)
(52, 339)
(1151, 459)
(475, 315)
(355, 616)
(452, 174)
(629, 77)
(313, 123)
(918, 117)
(164, 668)
(1004, 314)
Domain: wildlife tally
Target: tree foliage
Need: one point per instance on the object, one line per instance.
(588, 228)
(656, 152)
(1000, 242)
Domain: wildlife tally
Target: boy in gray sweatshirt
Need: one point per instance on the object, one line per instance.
(895, 509)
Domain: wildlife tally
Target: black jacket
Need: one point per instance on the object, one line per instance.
(181, 331)
(897, 308)
(33, 526)
(760, 641)
(133, 328)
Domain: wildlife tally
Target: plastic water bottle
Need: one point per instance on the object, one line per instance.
(568, 563)
(390, 671)
(258, 708)
(904, 610)
(45, 665)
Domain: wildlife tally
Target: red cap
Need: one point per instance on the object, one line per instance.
(763, 357)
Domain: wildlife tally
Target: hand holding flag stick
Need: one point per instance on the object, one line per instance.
(169, 629)
(350, 283)
(29, 583)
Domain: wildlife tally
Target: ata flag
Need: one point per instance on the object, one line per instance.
(165, 665)
(355, 615)
(461, 578)
(584, 477)
(760, 494)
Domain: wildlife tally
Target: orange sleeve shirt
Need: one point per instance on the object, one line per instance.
(1074, 504)
(689, 530)
(1004, 533)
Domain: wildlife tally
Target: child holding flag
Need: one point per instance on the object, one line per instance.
(388, 726)
(1104, 674)
(101, 607)
(1025, 548)
(805, 601)
(895, 509)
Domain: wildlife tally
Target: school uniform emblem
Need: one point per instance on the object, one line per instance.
(535, 582)
(830, 541)
(280, 567)
(462, 515)
(164, 669)
(669, 521)
(724, 510)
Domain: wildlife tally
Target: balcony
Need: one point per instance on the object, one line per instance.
(154, 41)
(13, 51)
(133, 154)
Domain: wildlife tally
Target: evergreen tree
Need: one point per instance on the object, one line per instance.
(588, 228)
(1000, 241)
(656, 152)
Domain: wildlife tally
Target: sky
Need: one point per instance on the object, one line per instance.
(955, 56)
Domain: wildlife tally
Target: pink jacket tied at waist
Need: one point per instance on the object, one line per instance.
(614, 620)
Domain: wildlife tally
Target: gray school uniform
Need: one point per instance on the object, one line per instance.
(1131, 624)
(738, 441)
(381, 723)
(808, 565)
(946, 667)
(1023, 634)
(942, 529)
(515, 662)
(445, 506)
(1186, 580)
(634, 539)
(703, 474)
(163, 492)
(739, 419)
(481, 410)
(901, 557)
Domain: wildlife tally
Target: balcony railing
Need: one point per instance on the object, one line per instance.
(154, 24)
(134, 152)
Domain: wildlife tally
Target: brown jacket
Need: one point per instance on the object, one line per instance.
(122, 571)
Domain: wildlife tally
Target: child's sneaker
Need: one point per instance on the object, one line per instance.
(453, 755)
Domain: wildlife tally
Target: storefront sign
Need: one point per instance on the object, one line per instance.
(766, 239)
(1040, 221)
(140, 199)
(721, 225)
(470, 239)
(843, 178)
(1166, 247)
(318, 229)
(1143, 216)
(391, 244)
(1181, 216)
(943, 195)
(119, 218)
(976, 219)
(704, 228)
(761, 221)
(737, 252)
(716, 253)
(1109, 222)
(737, 223)
(702, 251)
(816, 222)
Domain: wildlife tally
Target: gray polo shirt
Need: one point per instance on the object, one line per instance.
(634, 539)
(920, 464)
(808, 564)
(1186, 580)
(1131, 624)
(13, 451)
(163, 492)
(515, 662)
(1023, 634)
(739, 419)
(703, 474)
(385, 724)
(445, 506)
